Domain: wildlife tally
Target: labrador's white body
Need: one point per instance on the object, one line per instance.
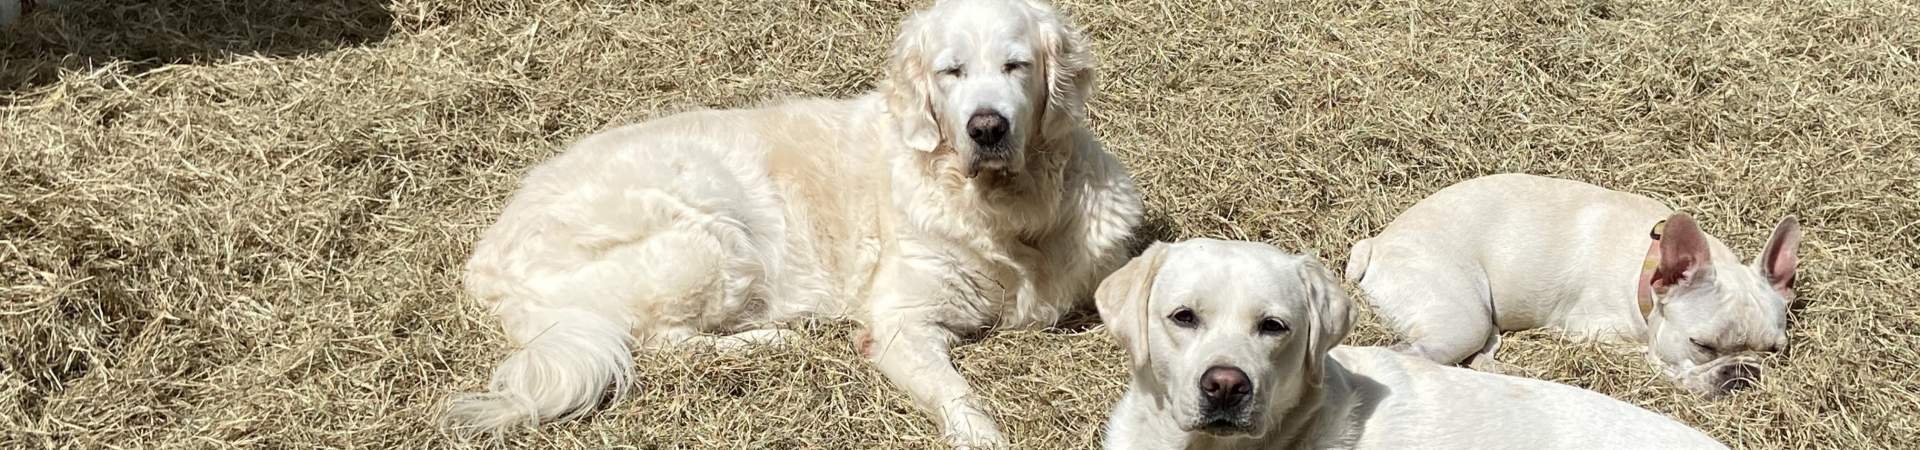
(1189, 308)
(966, 194)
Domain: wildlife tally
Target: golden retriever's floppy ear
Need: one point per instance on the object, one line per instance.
(909, 86)
(1068, 69)
(1329, 314)
(1123, 300)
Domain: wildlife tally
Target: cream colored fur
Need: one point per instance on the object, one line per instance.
(710, 227)
(1304, 393)
(1513, 251)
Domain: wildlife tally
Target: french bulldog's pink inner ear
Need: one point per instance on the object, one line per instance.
(1782, 255)
(1684, 254)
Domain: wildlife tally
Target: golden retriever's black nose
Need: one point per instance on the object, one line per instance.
(986, 127)
(1225, 386)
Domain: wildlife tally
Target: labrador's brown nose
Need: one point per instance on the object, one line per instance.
(1225, 386)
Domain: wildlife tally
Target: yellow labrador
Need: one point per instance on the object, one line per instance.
(965, 194)
(1233, 347)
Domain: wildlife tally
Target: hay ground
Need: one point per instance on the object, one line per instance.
(224, 224)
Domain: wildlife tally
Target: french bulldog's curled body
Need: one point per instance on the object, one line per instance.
(1514, 252)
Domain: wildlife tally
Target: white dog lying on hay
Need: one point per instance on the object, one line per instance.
(1514, 251)
(1232, 347)
(964, 194)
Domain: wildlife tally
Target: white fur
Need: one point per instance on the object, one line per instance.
(1306, 394)
(1512, 252)
(682, 229)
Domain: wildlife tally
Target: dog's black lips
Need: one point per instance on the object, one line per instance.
(1221, 426)
(990, 154)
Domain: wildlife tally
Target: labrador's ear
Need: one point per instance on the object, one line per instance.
(909, 86)
(1329, 312)
(1123, 299)
(1067, 63)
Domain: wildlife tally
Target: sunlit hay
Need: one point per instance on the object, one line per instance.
(248, 230)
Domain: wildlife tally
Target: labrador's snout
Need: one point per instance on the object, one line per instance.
(1224, 387)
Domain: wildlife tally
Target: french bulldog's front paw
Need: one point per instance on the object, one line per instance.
(972, 429)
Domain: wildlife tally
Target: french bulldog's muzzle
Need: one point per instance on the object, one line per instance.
(1736, 376)
(1722, 379)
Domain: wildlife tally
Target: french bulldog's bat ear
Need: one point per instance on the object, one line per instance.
(1781, 256)
(1685, 257)
(1123, 300)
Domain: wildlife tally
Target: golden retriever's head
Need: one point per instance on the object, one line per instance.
(990, 80)
(1224, 332)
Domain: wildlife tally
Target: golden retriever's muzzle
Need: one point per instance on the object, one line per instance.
(988, 130)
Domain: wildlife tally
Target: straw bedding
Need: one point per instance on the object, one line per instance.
(228, 224)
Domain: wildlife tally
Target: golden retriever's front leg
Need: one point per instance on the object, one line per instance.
(909, 338)
(916, 358)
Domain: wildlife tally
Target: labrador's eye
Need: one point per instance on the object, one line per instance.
(1273, 327)
(955, 71)
(1184, 318)
(1703, 347)
(1013, 66)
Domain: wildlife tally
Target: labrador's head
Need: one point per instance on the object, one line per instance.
(987, 80)
(1223, 332)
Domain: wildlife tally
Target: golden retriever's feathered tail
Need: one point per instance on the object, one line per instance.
(564, 372)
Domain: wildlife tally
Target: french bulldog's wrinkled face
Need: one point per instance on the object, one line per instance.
(1716, 322)
(1224, 332)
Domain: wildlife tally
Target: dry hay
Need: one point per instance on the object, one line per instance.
(228, 224)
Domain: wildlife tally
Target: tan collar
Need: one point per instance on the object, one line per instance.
(1647, 267)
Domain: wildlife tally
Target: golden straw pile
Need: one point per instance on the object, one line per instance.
(241, 224)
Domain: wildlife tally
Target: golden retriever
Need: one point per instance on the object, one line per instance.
(965, 193)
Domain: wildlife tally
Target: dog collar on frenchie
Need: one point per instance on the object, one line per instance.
(1647, 268)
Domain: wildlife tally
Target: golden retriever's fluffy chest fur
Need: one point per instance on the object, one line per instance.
(851, 203)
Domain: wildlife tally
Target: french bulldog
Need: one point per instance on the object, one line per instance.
(1513, 252)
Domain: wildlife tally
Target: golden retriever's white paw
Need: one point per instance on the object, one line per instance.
(971, 429)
